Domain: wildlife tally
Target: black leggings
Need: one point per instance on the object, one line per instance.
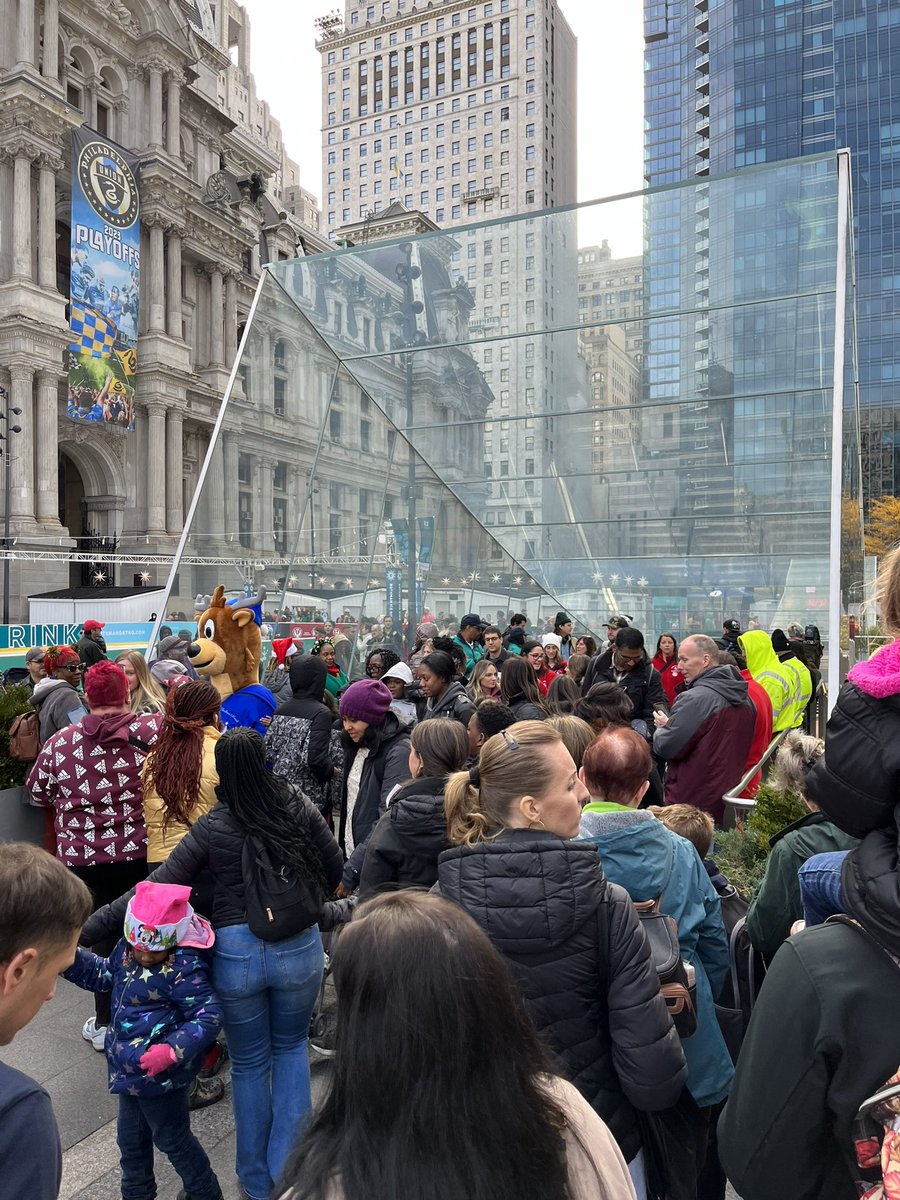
(107, 882)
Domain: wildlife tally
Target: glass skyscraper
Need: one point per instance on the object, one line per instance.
(731, 84)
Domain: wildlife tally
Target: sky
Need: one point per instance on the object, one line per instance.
(610, 101)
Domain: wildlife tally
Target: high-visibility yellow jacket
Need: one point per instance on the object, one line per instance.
(788, 684)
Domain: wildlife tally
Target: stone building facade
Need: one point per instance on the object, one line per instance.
(170, 81)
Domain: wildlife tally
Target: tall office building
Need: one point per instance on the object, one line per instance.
(465, 111)
(732, 85)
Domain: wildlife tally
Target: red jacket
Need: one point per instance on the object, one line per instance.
(672, 679)
(762, 730)
(90, 774)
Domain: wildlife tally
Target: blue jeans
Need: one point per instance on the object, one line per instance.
(163, 1121)
(268, 991)
(820, 886)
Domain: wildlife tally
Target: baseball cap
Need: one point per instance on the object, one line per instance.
(471, 619)
(89, 625)
(617, 622)
(732, 625)
(35, 654)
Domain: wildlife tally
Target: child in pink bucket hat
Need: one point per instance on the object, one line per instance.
(165, 1015)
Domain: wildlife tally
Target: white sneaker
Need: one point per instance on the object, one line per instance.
(94, 1033)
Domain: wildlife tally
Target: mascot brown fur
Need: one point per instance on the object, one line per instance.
(227, 651)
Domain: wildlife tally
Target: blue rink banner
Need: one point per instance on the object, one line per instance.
(105, 281)
(119, 636)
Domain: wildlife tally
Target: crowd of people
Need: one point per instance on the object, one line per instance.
(507, 836)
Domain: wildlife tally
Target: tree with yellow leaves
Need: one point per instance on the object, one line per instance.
(883, 526)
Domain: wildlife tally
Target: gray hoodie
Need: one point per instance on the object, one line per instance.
(58, 705)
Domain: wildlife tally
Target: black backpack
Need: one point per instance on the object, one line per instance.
(279, 903)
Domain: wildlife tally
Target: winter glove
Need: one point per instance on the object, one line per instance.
(157, 1059)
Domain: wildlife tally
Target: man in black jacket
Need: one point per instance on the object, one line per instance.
(626, 663)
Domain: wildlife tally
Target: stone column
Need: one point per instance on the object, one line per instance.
(232, 524)
(173, 115)
(157, 279)
(173, 283)
(90, 107)
(47, 222)
(22, 214)
(266, 518)
(216, 317)
(25, 39)
(214, 489)
(174, 461)
(50, 66)
(46, 478)
(156, 468)
(20, 446)
(231, 321)
(156, 104)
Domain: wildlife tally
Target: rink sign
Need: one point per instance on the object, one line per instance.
(16, 639)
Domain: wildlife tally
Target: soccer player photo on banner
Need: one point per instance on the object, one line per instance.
(105, 279)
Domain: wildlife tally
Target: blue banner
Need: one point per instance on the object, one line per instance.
(394, 579)
(400, 529)
(426, 541)
(119, 636)
(104, 283)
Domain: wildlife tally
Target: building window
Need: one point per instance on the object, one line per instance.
(279, 523)
(279, 392)
(245, 468)
(334, 425)
(245, 519)
(280, 477)
(365, 430)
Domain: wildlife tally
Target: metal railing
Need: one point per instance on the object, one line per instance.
(736, 803)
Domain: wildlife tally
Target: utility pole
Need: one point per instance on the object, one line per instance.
(5, 451)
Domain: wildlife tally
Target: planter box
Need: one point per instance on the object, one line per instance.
(19, 822)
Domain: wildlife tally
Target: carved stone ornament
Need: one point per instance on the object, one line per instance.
(123, 17)
(217, 193)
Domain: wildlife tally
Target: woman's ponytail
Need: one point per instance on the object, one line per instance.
(466, 824)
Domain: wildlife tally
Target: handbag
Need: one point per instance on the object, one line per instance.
(677, 984)
(669, 1142)
(279, 903)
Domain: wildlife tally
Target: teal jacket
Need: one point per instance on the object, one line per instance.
(776, 904)
(647, 860)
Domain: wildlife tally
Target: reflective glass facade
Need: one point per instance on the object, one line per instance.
(420, 424)
(731, 84)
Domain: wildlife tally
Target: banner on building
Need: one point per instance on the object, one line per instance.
(105, 281)
(394, 582)
(400, 530)
(426, 540)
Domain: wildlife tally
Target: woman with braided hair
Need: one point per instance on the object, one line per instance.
(335, 680)
(180, 776)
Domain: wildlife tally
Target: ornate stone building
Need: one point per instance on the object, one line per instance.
(170, 81)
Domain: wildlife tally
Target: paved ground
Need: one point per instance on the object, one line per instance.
(52, 1050)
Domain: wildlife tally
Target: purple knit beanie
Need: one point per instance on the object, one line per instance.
(366, 700)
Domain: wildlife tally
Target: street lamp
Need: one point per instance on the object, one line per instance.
(5, 451)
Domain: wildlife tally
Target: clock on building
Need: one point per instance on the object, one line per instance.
(200, 16)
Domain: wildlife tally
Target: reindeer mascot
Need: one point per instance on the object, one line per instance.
(227, 652)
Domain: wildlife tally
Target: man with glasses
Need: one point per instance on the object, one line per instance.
(493, 644)
(56, 698)
(626, 663)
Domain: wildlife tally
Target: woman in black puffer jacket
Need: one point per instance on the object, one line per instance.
(573, 940)
(404, 847)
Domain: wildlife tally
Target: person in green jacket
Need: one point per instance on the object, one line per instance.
(335, 680)
(777, 904)
(788, 684)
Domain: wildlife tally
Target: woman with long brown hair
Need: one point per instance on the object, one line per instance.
(180, 775)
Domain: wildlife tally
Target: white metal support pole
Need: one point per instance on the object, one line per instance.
(837, 429)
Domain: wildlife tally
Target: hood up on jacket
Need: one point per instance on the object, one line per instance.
(879, 676)
(759, 652)
(725, 682)
(307, 675)
(549, 888)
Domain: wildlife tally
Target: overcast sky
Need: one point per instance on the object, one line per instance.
(610, 100)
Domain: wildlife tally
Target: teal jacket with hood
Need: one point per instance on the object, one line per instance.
(645, 858)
